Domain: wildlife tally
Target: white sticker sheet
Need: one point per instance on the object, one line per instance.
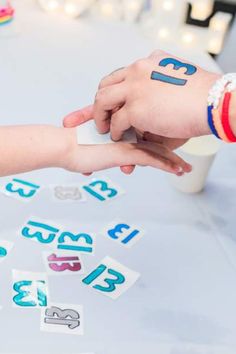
(63, 263)
(87, 134)
(30, 290)
(111, 278)
(63, 318)
(67, 193)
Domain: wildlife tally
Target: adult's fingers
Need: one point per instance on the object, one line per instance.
(108, 99)
(119, 124)
(78, 117)
(115, 77)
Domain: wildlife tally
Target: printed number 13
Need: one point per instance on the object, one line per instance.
(119, 279)
(177, 65)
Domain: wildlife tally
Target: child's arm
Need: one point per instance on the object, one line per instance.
(30, 147)
(26, 148)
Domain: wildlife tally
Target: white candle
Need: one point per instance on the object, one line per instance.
(220, 21)
(50, 5)
(132, 9)
(215, 43)
(110, 9)
(201, 9)
(75, 8)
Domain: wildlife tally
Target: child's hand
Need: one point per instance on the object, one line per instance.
(161, 94)
(90, 158)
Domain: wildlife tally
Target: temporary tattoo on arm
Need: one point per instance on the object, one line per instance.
(177, 65)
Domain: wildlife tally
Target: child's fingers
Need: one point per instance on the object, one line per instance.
(169, 155)
(124, 154)
(79, 117)
(144, 156)
(127, 169)
(108, 99)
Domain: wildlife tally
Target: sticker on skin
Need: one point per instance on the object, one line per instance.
(63, 318)
(5, 249)
(68, 193)
(20, 189)
(63, 263)
(30, 290)
(111, 278)
(176, 65)
(102, 189)
(123, 233)
(45, 232)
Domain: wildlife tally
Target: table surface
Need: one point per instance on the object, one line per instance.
(184, 302)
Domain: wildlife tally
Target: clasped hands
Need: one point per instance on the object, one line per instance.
(164, 114)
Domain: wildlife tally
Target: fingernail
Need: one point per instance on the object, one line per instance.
(188, 168)
(178, 169)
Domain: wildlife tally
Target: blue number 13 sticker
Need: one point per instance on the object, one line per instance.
(111, 278)
(30, 289)
(177, 65)
(22, 189)
(102, 190)
(123, 233)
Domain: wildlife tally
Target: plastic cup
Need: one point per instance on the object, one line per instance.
(200, 153)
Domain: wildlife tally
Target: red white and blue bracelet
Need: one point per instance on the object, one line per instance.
(219, 121)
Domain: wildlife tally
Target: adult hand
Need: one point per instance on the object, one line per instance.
(161, 94)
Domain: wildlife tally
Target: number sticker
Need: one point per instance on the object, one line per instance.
(62, 263)
(81, 242)
(63, 318)
(103, 190)
(177, 65)
(123, 233)
(111, 278)
(43, 233)
(30, 289)
(68, 193)
(20, 189)
(5, 248)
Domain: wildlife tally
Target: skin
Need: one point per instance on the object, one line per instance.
(26, 148)
(165, 115)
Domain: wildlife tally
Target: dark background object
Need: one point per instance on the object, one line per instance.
(218, 6)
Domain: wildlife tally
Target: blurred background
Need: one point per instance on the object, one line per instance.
(205, 25)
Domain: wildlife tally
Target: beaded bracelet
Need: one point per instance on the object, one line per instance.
(219, 123)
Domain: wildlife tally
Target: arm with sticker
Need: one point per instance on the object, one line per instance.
(163, 97)
(26, 148)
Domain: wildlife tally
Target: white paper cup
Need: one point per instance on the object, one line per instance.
(200, 153)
